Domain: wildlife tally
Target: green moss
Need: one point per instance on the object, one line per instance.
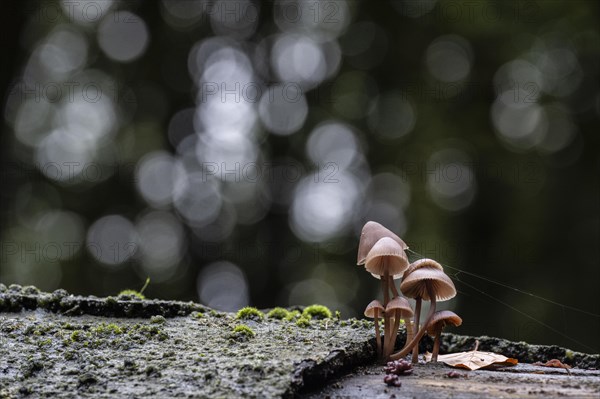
(111, 328)
(278, 313)
(142, 332)
(126, 293)
(67, 326)
(338, 315)
(111, 300)
(197, 315)
(569, 354)
(158, 319)
(214, 313)
(317, 311)
(303, 321)
(249, 313)
(293, 315)
(162, 336)
(45, 342)
(242, 332)
(364, 323)
(138, 294)
(77, 335)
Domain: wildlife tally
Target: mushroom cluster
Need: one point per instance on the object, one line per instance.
(382, 254)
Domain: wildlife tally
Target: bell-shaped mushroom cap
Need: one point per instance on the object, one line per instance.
(386, 256)
(401, 305)
(414, 282)
(445, 317)
(371, 233)
(370, 309)
(421, 263)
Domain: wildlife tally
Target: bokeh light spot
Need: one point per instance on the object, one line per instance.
(123, 24)
(223, 286)
(449, 58)
(112, 240)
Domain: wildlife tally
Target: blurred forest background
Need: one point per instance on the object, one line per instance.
(232, 150)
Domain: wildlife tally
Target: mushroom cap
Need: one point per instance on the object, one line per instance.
(443, 317)
(371, 233)
(371, 307)
(400, 304)
(419, 274)
(386, 256)
(421, 263)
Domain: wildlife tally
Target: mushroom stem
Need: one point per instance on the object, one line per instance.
(393, 331)
(415, 353)
(385, 281)
(386, 322)
(415, 341)
(393, 287)
(409, 330)
(377, 333)
(394, 334)
(436, 344)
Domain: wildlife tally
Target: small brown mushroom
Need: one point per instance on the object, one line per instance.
(371, 233)
(373, 311)
(424, 279)
(436, 325)
(386, 256)
(386, 260)
(416, 289)
(400, 308)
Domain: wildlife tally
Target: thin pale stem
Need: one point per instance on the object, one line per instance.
(415, 341)
(393, 287)
(386, 319)
(409, 330)
(415, 353)
(377, 332)
(436, 344)
(394, 333)
(385, 281)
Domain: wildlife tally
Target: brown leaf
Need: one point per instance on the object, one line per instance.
(554, 363)
(474, 360)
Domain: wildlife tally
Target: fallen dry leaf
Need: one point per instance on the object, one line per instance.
(474, 359)
(554, 363)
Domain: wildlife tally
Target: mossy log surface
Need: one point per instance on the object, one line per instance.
(59, 345)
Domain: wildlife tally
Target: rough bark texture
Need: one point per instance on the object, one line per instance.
(59, 345)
